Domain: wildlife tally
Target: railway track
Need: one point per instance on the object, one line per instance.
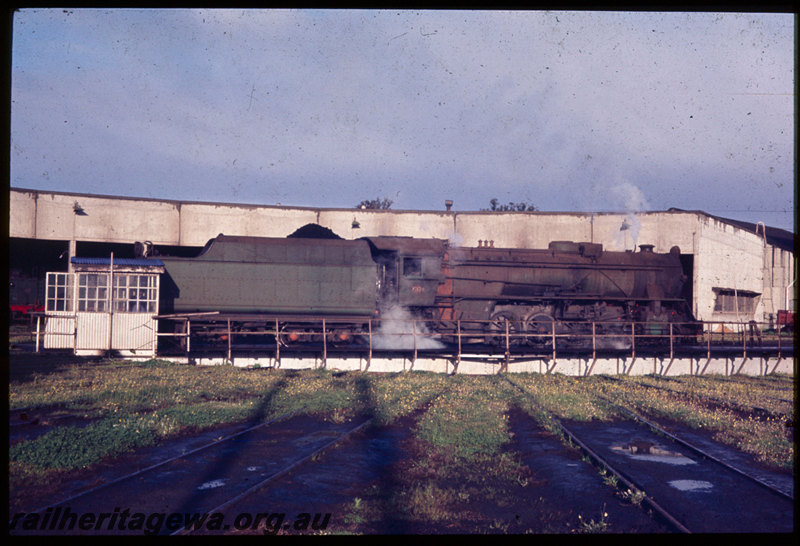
(686, 486)
(698, 491)
(199, 485)
(199, 482)
(285, 469)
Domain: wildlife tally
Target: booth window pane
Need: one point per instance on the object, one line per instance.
(92, 292)
(58, 292)
(137, 296)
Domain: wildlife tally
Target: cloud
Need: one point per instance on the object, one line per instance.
(555, 108)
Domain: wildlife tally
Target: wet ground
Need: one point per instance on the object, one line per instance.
(703, 440)
(703, 496)
(373, 483)
(375, 469)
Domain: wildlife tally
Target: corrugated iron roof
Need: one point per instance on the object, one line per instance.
(132, 262)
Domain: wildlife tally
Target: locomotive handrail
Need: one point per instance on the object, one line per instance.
(591, 296)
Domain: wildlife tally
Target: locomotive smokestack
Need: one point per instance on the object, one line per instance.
(448, 204)
(646, 248)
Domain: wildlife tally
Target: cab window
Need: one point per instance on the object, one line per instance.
(412, 267)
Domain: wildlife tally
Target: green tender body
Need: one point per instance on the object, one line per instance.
(273, 276)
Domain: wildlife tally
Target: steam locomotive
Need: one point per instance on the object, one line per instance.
(482, 294)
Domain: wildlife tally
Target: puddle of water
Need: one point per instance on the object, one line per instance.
(670, 459)
(212, 484)
(691, 485)
(642, 450)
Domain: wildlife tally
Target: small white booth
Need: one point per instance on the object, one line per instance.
(104, 306)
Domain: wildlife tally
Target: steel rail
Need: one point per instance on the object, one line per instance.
(699, 451)
(160, 463)
(598, 459)
(288, 469)
(275, 476)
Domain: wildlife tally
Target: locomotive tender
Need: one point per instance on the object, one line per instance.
(480, 292)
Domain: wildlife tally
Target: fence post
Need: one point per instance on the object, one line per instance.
(277, 343)
(671, 354)
(458, 336)
(508, 344)
(414, 323)
(744, 341)
(229, 341)
(594, 350)
(39, 319)
(110, 301)
(369, 358)
(324, 345)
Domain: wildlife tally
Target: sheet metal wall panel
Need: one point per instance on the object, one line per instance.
(59, 331)
(92, 331)
(134, 331)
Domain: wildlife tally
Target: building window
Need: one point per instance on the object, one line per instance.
(135, 293)
(735, 301)
(132, 293)
(59, 292)
(92, 292)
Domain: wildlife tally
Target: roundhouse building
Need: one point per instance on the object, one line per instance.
(739, 272)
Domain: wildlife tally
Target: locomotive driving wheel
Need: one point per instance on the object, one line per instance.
(500, 323)
(539, 330)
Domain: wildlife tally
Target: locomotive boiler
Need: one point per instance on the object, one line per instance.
(480, 292)
(570, 290)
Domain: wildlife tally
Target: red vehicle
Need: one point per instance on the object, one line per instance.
(24, 295)
(786, 320)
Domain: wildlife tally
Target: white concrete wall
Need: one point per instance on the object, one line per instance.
(48, 215)
(22, 214)
(730, 258)
(521, 229)
(439, 225)
(538, 229)
(779, 290)
(200, 222)
(569, 366)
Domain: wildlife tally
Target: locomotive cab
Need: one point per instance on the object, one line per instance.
(409, 270)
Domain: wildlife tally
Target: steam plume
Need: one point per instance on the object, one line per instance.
(631, 199)
(398, 331)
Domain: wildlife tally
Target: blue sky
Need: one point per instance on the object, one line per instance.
(569, 111)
